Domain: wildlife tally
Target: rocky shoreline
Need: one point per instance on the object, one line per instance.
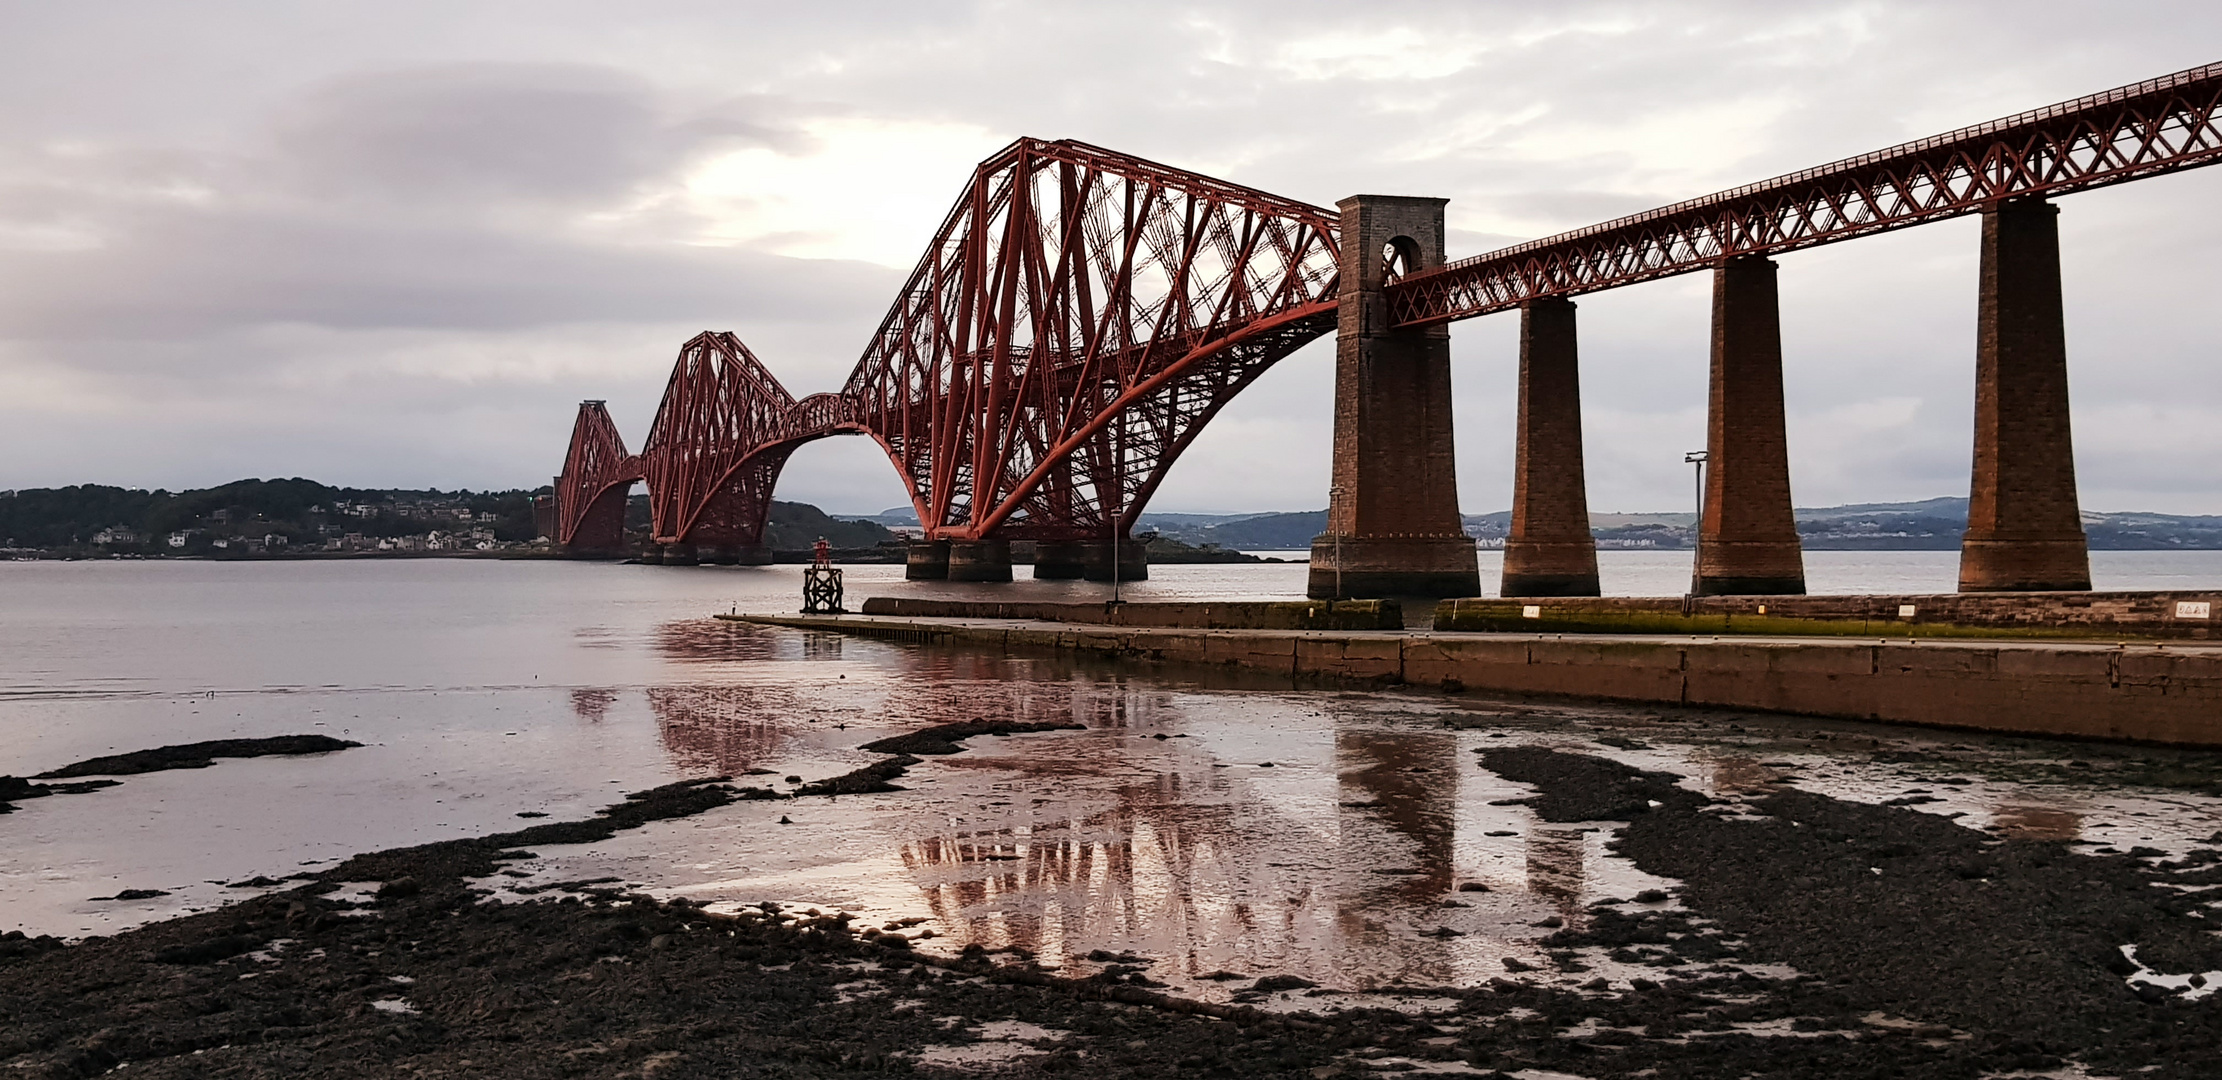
(199, 755)
(1810, 937)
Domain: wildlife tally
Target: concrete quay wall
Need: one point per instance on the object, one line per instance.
(2162, 693)
(2193, 615)
(1198, 615)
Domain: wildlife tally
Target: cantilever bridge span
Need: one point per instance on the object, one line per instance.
(1077, 319)
(1081, 314)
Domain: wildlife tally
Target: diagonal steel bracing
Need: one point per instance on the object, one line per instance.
(2144, 129)
(1081, 314)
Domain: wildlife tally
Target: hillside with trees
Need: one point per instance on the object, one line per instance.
(254, 517)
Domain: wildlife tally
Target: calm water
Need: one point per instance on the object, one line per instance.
(1224, 823)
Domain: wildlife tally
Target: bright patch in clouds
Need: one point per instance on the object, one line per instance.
(870, 190)
(1400, 52)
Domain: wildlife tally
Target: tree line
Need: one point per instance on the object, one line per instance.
(69, 517)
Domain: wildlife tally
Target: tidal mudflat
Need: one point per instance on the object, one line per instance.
(1445, 884)
(1112, 874)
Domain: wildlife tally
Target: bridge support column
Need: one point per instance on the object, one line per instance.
(752, 555)
(2024, 523)
(979, 560)
(601, 530)
(1133, 563)
(679, 555)
(1060, 560)
(1392, 518)
(1549, 551)
(1748, 540)
(928, 560)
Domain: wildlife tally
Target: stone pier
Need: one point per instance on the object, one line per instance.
(1068, 560)
(1060, 560)
(2024, 525)
(1132, 561)
(979, 560)
(927, 560)
(1392, 520)
(734, 554)
(1748, 540)
(1549, 551)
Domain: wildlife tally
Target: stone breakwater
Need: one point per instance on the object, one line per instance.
(2146, 691)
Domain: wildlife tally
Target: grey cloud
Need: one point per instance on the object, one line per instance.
(367, 180)
(563, 133)
(192, 272)
(475, 175)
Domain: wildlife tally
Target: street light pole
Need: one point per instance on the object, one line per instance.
(1115, 559)
(1334, 495)
(1697, 528)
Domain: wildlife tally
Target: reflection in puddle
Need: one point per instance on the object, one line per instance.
(1555, 867)
(2038, 822)
(592, 704)
(721, 730)
(1732, 775)
(710, 640)
(1407, 781)
(1210, 831)
(817, 646)
(1224, 826)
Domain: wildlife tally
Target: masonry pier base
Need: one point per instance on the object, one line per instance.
(979, 560)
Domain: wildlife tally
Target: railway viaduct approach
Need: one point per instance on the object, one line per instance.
(1081, 314)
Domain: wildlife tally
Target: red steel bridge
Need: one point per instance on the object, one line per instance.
(1081, 314)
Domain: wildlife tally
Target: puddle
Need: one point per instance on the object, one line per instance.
(2188, 987)
(1375, 852)
(999, 1043)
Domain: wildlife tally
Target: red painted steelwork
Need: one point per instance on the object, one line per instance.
(2160, 125)
(597, 475)
(720, 438)
(1082, 313)
(1078, 318)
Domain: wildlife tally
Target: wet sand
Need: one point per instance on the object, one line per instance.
(1798, 926)
(1371, 859)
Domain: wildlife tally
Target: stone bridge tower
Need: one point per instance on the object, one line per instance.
(1393, 527)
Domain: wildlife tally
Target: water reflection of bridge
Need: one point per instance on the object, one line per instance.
(1339, 861)
(1200, 867)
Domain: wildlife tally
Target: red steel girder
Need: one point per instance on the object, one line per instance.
(591, 490)
(715, 449)
(1079, 314)
(2156, 126)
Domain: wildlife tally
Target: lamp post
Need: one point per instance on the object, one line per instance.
(1334, 496)
(1115, 559)
(1697, 528)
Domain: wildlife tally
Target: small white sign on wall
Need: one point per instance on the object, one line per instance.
(1532, 611)
(2193, 609)
(1905, 611)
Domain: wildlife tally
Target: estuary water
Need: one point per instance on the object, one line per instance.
(1222, 821)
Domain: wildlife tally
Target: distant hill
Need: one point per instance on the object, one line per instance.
(1922, 525)
(253, 515)
(292, 516)
(794, 526)
(1259, 532)
(893, 517)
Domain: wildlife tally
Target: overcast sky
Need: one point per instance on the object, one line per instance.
(394, 244)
